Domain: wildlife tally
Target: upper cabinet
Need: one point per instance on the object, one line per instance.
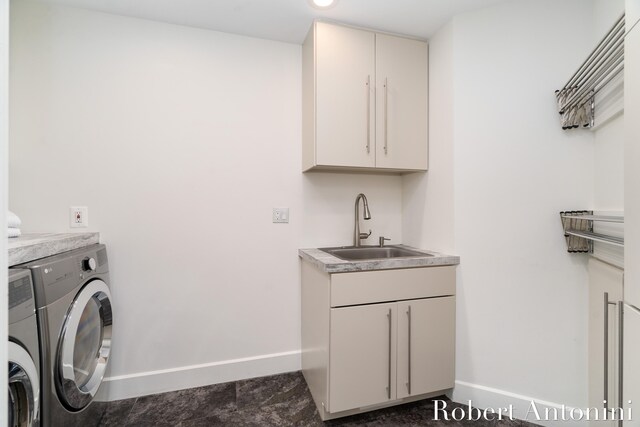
(364, 100)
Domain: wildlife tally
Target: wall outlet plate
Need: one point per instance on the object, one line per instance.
(78, 216)
(280, 215)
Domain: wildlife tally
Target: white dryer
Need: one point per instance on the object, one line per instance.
(73, 304)
(24, 352)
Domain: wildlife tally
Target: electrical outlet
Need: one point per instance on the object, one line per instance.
(78, 216)
(280, 215)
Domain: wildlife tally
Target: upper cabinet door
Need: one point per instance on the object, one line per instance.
(345, 97)
(401, 104)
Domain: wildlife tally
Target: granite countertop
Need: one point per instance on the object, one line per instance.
(32, 246)
(331, 264)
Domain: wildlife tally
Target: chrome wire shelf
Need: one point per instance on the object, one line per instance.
(601, 218)
(579, 234)
(597, 237)
(577, 98)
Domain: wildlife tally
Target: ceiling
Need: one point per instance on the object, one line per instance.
(288, 20)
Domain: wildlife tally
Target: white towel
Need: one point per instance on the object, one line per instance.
(13, 232)
(12, 220)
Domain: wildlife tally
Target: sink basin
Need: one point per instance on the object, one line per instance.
(372, 252)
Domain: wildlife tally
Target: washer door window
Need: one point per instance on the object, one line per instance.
(85, 344)
(24, 388)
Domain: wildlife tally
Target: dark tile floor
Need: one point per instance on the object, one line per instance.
(279, 400)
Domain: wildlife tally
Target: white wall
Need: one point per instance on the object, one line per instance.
(522, 299)
(4, 139)
(180, 141)
(609, 101)
(608, 184)
(428, 199)
(608, 179)
(608, 133)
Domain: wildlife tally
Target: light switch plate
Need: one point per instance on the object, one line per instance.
(280, 215)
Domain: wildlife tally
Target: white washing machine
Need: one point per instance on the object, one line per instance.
(24, 352)
(73, 305)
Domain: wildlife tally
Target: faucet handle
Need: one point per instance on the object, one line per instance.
(381, 240)
(365, 235)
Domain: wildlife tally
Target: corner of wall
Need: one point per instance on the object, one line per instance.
(427, 198)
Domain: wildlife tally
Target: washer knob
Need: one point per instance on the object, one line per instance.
(89, 264)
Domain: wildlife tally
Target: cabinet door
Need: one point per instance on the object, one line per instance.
(631, 350)
(362, 357)
(426, 345)
(604, 333)
(401, 103)
(344, 96)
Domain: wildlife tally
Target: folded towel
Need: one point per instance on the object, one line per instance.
(13, 232)
(12, 220)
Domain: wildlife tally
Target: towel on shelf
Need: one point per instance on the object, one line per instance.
(13, 232)
(12, 220)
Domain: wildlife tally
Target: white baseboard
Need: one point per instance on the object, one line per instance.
(486, 397)
(152, 382)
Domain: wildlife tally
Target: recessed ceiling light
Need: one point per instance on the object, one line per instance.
(323, 4)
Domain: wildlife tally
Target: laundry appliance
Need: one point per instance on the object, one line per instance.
(73, 304)
(24, 352)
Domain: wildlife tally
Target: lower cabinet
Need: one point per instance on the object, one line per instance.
(397, 346)
(426, 345)
(384, 352)
(631, 358)
(605, 296)
(362, 357)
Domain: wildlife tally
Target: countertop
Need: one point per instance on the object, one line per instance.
(331, 264)
(32, 246)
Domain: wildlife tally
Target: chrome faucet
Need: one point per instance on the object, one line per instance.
(357, 236)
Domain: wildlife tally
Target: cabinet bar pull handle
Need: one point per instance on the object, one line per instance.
(409, 382)
(620, 354)
(368, 114)
(606, 351)
(386, 90)
(389, 387)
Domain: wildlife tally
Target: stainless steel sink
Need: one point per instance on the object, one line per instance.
(351, 253)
